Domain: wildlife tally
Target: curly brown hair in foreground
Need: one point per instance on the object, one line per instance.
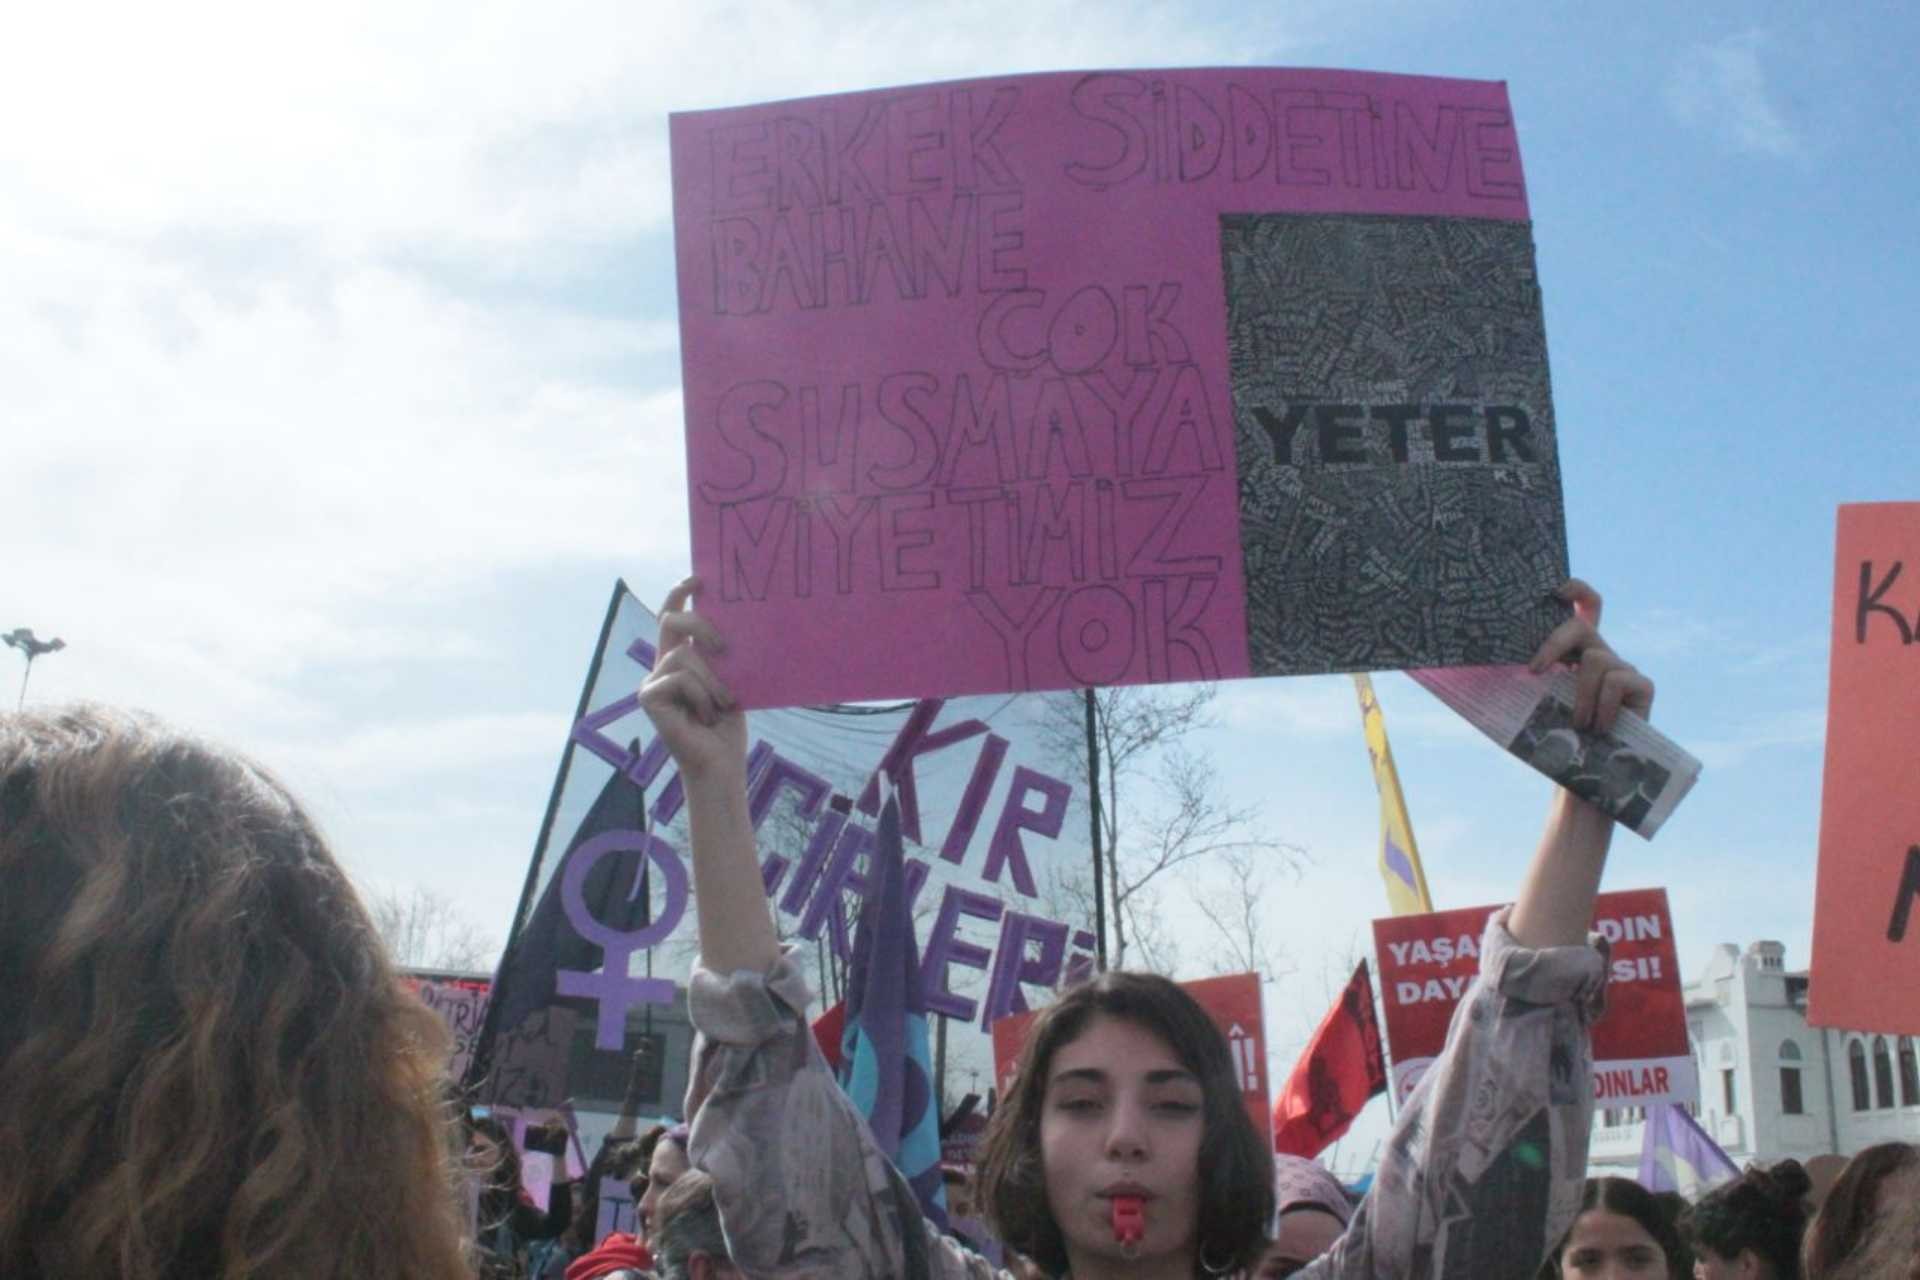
(210, 1070)
(1236, 1169)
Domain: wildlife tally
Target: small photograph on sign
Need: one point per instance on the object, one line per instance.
(1599, 768)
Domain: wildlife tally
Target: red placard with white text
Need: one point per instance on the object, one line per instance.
(1864, 920)
(1233, 1002)
(1640, 1050)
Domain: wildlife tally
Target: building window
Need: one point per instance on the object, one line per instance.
(1857, 1065)
(1789, 1051)
(1882, 1074)
(1726, 1091)
(1909, 1074)
(1790, 1103)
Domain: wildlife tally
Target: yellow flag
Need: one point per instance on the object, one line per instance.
(1399, 857)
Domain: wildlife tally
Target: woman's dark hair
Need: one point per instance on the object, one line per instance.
(642, 1159)
(501, 1179)
(208, 1067)
(687, 1222)
(1629, 1199)
(1235, 1168)
(1846, 1218)
(1674, 1206)
(1763, 1210)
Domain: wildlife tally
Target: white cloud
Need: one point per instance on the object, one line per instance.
(1721, 89)
(293, 337)
(475, 125)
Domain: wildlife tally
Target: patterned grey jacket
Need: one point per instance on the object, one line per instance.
(1481, 1176)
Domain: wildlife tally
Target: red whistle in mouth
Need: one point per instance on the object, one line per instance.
(1129, 1219)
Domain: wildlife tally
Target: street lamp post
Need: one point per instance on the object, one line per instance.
(23, 639)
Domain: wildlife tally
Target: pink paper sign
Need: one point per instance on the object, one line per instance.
(1084, 379)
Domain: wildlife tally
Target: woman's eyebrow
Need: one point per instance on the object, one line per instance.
(1097, 1075)
(1079, 1075)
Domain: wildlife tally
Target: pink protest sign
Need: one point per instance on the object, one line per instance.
(1081, 379)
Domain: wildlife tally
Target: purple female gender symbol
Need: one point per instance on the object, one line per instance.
(612, 988)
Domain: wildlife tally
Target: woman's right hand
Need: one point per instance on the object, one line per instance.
(704, 728)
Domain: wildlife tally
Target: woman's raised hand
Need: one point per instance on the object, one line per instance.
(1607, 682)
(707, 733)
(704, 728)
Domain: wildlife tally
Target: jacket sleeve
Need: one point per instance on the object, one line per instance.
(803, 1191)
(1486, 1163)
(531, 1224)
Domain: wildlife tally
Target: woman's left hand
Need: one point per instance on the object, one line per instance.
(1607, 682)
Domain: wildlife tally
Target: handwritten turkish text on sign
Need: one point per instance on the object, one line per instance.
(1868, 887)
(1640, 1049)
(461, 1003)
(1064, 380)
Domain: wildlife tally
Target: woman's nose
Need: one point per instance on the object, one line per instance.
(1127, 1136)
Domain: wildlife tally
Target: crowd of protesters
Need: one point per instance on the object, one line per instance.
(208, 1069)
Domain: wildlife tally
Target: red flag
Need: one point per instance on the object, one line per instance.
(1342, 1067)
(827, 1030)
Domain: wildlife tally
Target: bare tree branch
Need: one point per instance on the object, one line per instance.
(1237, 909)
(424, 930)
(1161, 804)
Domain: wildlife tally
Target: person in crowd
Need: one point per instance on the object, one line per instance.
(1673, 1208)
(1750, 1228)
(616, 1158)
(1890, 1251)
(624, 1254)
(208, 1067)
(687, 1233)
(508, 1220)
(1310, 1211)
(961, 1223)
(1121, 1147)
(1874, 1184)
(666, 1165)
(1622, 1232)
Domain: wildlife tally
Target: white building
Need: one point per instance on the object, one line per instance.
(1770, 1085)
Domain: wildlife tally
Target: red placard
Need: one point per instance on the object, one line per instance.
(1640, 1050)
(1233, 1002)
(1869, 879)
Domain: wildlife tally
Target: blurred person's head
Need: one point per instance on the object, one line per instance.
(1891, 1250)
(491, 1153)
(687, 1241)
(666, 1165)
(210, 1067)
(1673, 1207)
(1750, 1228)
(1875, 1183)
(616, 1159)
(959, 1189)
(1621, 1233)
(1310, 1211)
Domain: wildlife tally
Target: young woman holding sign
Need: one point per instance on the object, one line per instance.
(1121, 1149)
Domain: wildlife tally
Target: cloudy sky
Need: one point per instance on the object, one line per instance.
(339, 357)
